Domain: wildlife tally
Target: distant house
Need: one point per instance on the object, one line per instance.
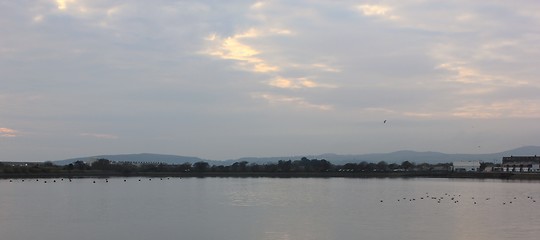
(466, 166)
(521, 164)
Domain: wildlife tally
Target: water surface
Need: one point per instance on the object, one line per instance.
(268, 209)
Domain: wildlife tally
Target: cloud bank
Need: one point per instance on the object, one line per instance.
(266, 78)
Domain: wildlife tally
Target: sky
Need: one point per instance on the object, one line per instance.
(229, 79)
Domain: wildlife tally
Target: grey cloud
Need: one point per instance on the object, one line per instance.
(139, 70)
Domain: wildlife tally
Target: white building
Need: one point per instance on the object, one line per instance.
(521, 164)
(466, 166)
(527, 167)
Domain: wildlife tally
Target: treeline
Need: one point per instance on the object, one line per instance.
(285, 166)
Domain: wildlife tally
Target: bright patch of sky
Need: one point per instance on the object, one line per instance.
(229, 79)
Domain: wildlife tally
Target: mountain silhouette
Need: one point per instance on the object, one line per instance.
(393, 157)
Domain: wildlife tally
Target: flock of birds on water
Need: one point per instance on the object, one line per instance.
(458, 198)
(443, 198)
(70, 180)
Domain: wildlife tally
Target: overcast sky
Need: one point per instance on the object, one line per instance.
(229, 79)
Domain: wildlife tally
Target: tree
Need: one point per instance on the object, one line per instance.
(184, 167)
(382, 166)
(324, 166)
(239, 166)
(80, 165)
(254, 167)
(371, 167)
(363, 166)
(285, 166)
(350, 166)
(69, 167)
(102, 164)
(48, 164)
(201, 166)
(271, 167)
(125, 167)
(406, 165)
(393, 166)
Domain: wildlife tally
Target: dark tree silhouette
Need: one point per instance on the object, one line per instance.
(102, 164)
(406, 165)
(201, 166)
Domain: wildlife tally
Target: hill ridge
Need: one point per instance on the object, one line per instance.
(391, 157)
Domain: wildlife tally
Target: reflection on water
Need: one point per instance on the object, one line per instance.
(267, 208)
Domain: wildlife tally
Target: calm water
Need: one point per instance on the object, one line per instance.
(268, 209)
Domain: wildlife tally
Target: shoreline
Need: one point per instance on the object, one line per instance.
(491, 175)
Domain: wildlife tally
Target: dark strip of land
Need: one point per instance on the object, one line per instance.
(105, 174)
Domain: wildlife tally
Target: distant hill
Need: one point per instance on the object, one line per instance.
(141, 157)
(412, 156)
(393, 157)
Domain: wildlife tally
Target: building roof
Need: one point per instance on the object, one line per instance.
(513, 159)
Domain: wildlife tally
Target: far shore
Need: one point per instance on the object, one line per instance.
(104, 174)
